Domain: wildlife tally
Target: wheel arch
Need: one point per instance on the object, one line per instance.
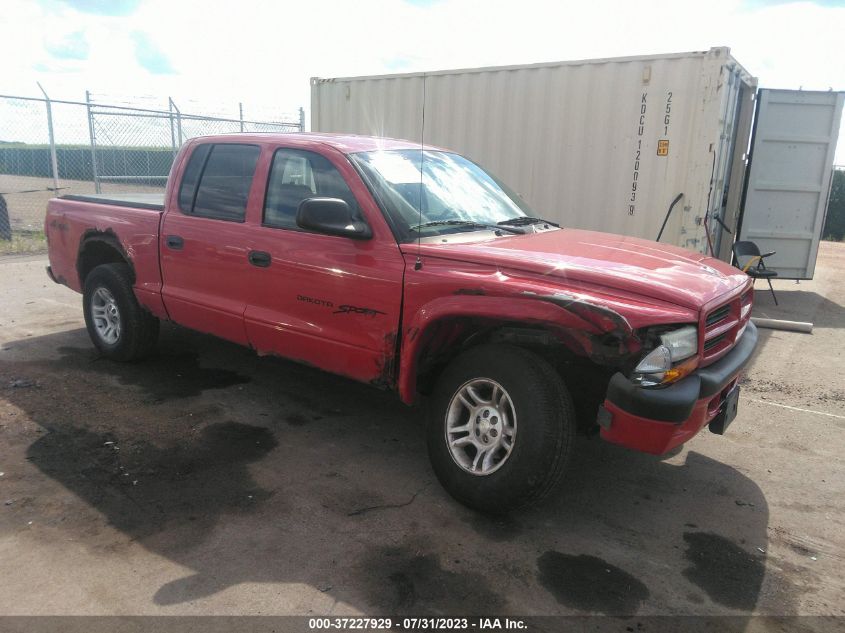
(97, 248)
(450, 325)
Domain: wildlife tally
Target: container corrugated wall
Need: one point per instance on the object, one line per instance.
(578, 140)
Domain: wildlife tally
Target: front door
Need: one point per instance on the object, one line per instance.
(328, 301)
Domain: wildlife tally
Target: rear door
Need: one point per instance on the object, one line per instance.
(332, 302)
(789, 176)
(204, 241)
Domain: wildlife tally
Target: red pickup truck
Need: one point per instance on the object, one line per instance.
(413, 269)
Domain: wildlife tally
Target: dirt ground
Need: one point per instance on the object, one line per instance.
(207, 480)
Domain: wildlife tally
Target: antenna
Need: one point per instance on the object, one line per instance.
(418, 263)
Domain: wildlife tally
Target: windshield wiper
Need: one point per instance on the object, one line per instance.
(468, 223)
(526, 219)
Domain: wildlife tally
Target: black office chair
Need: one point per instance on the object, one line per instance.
(749, 259)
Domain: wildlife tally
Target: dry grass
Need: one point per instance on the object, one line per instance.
(24, 242)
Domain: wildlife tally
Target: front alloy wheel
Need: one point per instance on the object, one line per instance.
(480, 426)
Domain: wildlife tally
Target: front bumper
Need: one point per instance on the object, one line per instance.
(658, 420)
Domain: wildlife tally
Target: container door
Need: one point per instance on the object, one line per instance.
(730, 121)
(789, 176)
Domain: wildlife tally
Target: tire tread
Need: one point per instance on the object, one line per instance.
(550, 399)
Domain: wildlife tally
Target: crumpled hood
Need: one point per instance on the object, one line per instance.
(647, 268)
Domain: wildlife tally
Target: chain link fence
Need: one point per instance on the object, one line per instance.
(50, 147)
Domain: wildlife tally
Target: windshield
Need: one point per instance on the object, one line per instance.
(453, 194)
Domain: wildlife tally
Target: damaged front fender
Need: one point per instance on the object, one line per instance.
(588, 330)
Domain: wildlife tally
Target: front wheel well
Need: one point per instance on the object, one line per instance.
(445, 340)
(97, 248)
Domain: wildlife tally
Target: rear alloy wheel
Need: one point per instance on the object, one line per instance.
(500, 428)
(118, 326)
(106, 315)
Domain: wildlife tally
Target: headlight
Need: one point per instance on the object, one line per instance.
(682, 343)
(670, 361)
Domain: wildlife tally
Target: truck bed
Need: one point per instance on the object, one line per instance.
(151, 201)
(128, 222)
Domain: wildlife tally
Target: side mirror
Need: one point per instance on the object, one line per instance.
(331, 216)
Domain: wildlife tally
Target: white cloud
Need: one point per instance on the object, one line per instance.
(263, 53)
(72, 46)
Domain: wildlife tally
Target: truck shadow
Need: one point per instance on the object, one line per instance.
(247, 469)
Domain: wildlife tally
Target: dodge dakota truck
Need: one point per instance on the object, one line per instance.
(413, 269)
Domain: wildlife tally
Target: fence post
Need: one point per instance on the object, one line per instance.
(53, 160)
(92, 136)
(170, 106)
(178, 121)
(241, 111)
(301, 119)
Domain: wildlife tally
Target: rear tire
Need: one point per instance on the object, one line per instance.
(500, 428)
(118, 326)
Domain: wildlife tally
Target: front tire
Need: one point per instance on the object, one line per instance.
(500, 428)
(118, 326)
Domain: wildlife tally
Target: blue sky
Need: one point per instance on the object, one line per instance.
(263, 53)
(149, 56)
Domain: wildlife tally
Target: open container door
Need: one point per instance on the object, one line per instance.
(792, 152)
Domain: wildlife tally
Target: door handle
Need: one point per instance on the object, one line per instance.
(259, 258)
(175, 242)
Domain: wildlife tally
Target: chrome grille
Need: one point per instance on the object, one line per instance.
(722, 325)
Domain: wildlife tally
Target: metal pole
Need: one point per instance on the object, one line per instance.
(53, 160)
(92, 136)
(301, 119)
(172, 129)
(178, 121)
(241, 110)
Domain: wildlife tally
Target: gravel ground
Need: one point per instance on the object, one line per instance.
(207, 480)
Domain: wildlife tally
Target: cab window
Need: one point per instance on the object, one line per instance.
(217, 180)
(296, 175)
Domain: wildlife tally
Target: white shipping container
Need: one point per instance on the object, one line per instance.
(603, 144)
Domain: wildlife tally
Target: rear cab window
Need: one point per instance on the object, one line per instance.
(217, 180)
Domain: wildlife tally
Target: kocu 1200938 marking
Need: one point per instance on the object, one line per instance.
(638, 152)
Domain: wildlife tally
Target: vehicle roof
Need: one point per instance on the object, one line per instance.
(346, 143)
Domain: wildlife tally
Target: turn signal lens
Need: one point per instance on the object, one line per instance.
(680, 370)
